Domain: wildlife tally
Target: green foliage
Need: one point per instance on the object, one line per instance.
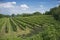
(1, 15)
(13, 25)
(55, 12)
(43, 27)
(47, 13)
(37, 13)
(26, 14)
(13, 15)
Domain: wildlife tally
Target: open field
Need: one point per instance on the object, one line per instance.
(41, 27)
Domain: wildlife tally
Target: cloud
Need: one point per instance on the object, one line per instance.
(41, 6)
(57, 5)
(24, 6)
(12, 7)
(13, 2)
(7, 4)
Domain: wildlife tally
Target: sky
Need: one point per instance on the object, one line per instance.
(26, 6)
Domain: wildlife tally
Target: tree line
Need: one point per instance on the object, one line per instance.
(55, 12)
(23, 14)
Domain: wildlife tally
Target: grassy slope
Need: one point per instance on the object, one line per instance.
(44, 27)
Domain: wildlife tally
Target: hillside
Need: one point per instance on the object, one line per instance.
(41, 27)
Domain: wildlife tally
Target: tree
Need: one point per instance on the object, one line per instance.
(47, 13)
(36, 13)
(55, 12)
(13, 15)
(1, 15)
(26, 14)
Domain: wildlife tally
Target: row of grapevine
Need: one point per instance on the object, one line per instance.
(47, 26)
(42, 28)
(13, 25)
(20, 24)
(23, 23)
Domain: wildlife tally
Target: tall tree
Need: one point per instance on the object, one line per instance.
(55, 12)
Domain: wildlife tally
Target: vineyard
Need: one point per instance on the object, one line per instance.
(41, 27)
